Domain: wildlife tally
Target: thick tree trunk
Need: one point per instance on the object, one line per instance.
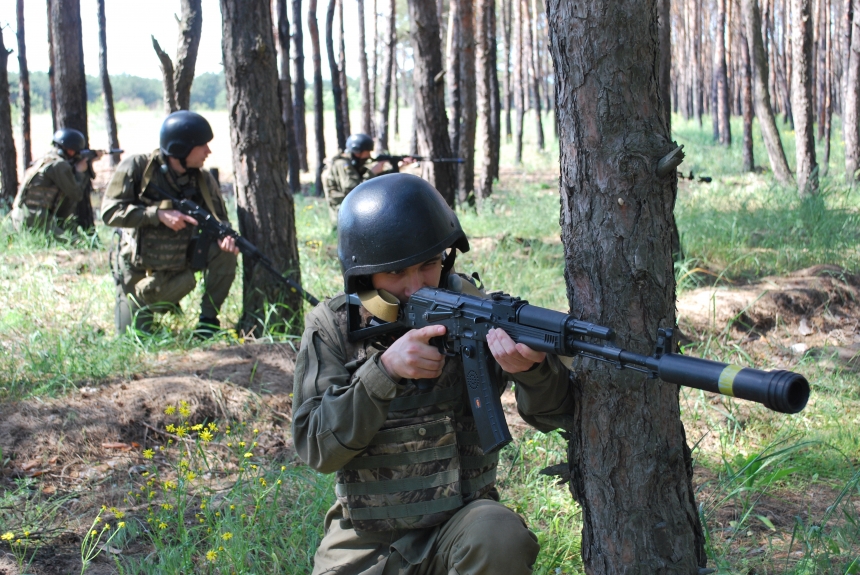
(484, 45)
(179, 78)
(763, 110)
(319, 136)
(286, 89)
(453, 72)
(265, 207)
(828, 91)
(364, 81)
(534, 70)
(8, 155)
(431, 120)
(70, 81)
(801, 98)
(341, 69)
(396, 94)
(336, 90)
(468, 95)
(695, 38)
(374, 62)
(507, 26)
(664, 22)
(851, 113)
(24, 89)
(518, 79)
(747, 103)
(298, 74)
(390, 45)
(495, 96)
(107, 91)
(721, 78)
(630, 465)
(52, 88)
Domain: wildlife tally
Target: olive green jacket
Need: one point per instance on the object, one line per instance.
(50, 182)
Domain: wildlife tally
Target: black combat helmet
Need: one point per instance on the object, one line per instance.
(359, 143)
(69, 139)
(392, 222)
(182, 131)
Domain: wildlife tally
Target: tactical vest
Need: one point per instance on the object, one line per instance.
(425, 463)
(38, 192)
(158, 248)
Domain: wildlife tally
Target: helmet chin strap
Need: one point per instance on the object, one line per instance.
(448, 260)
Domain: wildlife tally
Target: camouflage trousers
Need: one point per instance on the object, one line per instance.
(482, 538)
(59, 224)
(141, 294)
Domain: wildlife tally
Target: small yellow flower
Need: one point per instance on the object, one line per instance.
(279, 481)
(166, 506)
(227, 536)
(190, 476)
(98, 520)
(211, 556)
(283, 467)
(263, 481)
(256, 431)
(249, 454)
(120, 525)
(169, 410)
(197, 427)
(107, 526)
(203, 505)
(119, 514)
(26, 534)
(183, 409)
(212, 427)
(241, 444)
(148, 454)
(171, 428)
(162, 525)
(206, 435)
(94, 532)
(232, 507)
(181, 431)
(8, 536)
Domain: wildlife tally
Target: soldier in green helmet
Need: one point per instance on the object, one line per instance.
(347, 170)
(391, 416)
(152, 265)
(53, 186)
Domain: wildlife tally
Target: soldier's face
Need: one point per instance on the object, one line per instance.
(363, 156)
(403, 283)
(197, 157)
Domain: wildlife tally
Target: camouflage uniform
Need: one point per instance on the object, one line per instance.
(151, 266)
(340, 178)
(398, 511)
(51, 190)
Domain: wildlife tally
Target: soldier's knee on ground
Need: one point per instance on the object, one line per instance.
(164, 287)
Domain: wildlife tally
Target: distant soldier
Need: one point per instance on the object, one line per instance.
(53, 186)
(153, 267)
(347, 170)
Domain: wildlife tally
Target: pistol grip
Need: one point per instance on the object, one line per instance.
(484, 396)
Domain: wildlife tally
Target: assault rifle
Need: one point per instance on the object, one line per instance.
(468, 318)
(210, 228)
(395, 160)
(90, 155)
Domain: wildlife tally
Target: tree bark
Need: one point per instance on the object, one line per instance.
(336, 90)
(341, 69)
(375, 60)
(664, 22)
(364, 80)
(484, 44)
(495, 96)
(319, 136)
(107, 91)
(507, 25)
(452, 79)
(390, 45)
(431, 120)
(8, 155)
(828, 90)
(534, 70)
(468, 99)
(518, 80)
(24, 83)
(747, 102)
(851, 113)
(763, 109)
(179, 78)
(286, 92)
(722, 82)
(298, 73)
(265, 207)
(801, 98)
(70, 82)
(630, 465)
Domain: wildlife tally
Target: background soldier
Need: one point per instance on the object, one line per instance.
(347, 170)
(54, 185)
(152, 266)
(371, 411)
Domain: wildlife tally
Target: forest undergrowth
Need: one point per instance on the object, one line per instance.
(162, 453)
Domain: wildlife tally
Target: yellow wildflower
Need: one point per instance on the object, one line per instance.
(227, 536)
(120, 525)
(162, 525)
(190, 476)
(94, 532)
(197, 427)
(181, 431)
(169, 410)
(211, 556)
(148, 454)
(8, 536)
(249, 454)
(206, 435)
(171, 428)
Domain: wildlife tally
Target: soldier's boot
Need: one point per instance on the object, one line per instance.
(217, 279)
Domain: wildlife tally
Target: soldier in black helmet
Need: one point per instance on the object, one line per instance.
(391, 417)
(152, 263)
(348, 169)
(53, 186)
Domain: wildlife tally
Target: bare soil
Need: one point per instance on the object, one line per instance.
(91, 441)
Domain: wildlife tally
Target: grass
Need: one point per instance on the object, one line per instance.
(755, 470)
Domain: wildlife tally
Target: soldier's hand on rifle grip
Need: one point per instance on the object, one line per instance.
(407, 160)
(412, 356)
(228, 244)
(513, 357)
(174, 219)
(82, 166)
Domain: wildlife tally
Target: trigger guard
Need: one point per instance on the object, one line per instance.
(439, 342)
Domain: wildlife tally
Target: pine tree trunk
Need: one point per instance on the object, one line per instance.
(298, 73)
(747, 102)
(336, 90)
(761, 97)
(107, 91)
(801, 100)
(70, 82)
(507, 25)
(8, 155)
(495, 96)
(374, 62)
(722, 82)
(484, 94)
(664, 21)
(851, 113)
(52, 88)
(319, 136)
(24, 83)
(431, 120)
(397, 78)
(519, 79)
(341, 68)
(828, 92)
(534, 69)
(452, 79)
(468, 99)
(265, 207)
(364, 81)
(190, 26)
(632, 477)
(286, 91)
(390, 45)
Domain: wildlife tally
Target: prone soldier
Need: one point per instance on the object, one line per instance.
(152, 265)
